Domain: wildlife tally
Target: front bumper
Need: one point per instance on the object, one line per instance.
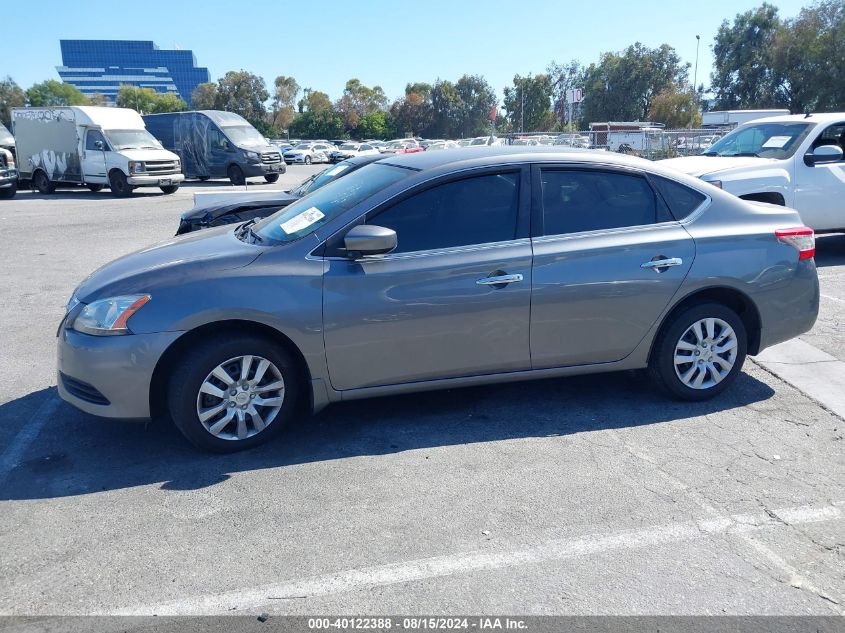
(252, 170)
(157, 180)
(109, 376)
(8, 177)
(294, 159)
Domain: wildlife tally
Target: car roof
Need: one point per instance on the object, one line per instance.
(816, 117)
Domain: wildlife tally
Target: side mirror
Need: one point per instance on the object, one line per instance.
(367, 239)
(99, 145)
(823, 154)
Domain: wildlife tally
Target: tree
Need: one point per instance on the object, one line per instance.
(243, 93)
(204, 96)
(284, 101)
(477, 100)
(374, 125)
(54, 93)
(621, 86)
(676, 109)
(446, 106)
(148, 101)
(319, 123)
(11, 96)
(743, 70)
(528, 103)
(98, 99)
(565, 77)
(359, 100)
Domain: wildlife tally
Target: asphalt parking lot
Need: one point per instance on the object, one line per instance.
(589, 495)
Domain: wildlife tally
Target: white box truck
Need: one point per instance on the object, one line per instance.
(91, 146)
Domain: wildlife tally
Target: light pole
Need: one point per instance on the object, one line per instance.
(522, 108)
(695, 75)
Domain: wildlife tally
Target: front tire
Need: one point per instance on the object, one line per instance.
(271, 178)
(307, 160)
(170, 188)
(119, 185)
(9, 192)
(43, 184)
(236, 175)
(233, 392)
(699, 353)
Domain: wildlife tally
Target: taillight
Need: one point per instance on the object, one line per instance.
(801, 238)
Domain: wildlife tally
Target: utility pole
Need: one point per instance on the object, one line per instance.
(695, 75)
(522, 108)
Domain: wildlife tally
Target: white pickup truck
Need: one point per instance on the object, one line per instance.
(792, 160)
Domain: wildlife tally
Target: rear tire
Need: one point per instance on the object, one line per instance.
(43, 184)
(94, 187)
(196, 379)
(170, 188)
(271, 178)
(307, 160)
(713, 337)
(119, 185)
(9, 192)
(236, 175)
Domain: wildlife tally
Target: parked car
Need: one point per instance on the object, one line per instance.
(435, 145)
(379, 145)
(422, 272)
(8, 172)
(795, 161)
(217, 144)
(306, 153)
(92, 146)
(351, 149)
(240, 207)
(402, 146)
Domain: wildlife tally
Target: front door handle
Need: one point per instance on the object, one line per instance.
(499, 279)
(659, 263)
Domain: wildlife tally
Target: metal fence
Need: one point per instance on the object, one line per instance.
(651, 143)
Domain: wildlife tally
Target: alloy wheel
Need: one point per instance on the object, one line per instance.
(240, 397)
(706, 353)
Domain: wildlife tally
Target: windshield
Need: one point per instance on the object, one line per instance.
(768, 140)
(396, 145)
(306, 215)
(131, 139)
(244, 135)
(6, 137)
(349, 146)
(303, 146)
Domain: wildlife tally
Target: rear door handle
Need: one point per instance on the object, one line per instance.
(499, 279)
(663, 262)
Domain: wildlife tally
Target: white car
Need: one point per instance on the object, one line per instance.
(793, 160)
(349, 150)
(307, 153)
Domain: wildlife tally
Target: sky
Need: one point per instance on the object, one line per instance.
(381, 42)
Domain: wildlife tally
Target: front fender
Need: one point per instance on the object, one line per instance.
(773, 179)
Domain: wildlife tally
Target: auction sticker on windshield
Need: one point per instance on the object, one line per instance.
(336, 170)
(777, 142)
(302, 221)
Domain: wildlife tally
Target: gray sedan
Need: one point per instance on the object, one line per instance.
(440, 269)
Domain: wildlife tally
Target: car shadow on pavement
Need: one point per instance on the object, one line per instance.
(830, 250)
(78, 454)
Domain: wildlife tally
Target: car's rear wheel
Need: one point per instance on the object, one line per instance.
(236, 175)
(94, 187)
(271, 178)
(700, 352)
(42, 183)
(307, 160)
(233, 392)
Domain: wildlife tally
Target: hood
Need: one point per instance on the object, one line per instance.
(261, 149)
(148, 154)
(704, 165)
(169, 263)
(213, 212)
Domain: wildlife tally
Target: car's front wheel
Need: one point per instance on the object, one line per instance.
(233, 392)
(700, 352)
(168, 189)
(236, 175)
(307, 160)
(271, 178)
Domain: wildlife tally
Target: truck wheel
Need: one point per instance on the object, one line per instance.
(307, 160)
(43, 184)
(9, 192)
(271, 178)
(170, 188)
(94, 187)
(120, 187)
(236, 175)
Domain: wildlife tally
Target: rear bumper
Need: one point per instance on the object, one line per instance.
(791, 308)
(155, 181)
(109, 376)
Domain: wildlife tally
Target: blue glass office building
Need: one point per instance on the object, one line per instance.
(102, 66)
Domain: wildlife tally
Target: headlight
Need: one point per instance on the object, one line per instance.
(108, 317)
(136, 166)
(71, 304)
(252, 155)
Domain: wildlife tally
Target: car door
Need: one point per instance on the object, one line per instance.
(608, 258)
(820, 189)
(94, 157)
(220, 152)
(452, 300)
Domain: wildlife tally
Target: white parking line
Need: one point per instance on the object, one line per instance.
(251, 599)
(837, 299)
(27, 435)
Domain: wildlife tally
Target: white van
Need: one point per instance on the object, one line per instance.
(91, 146)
